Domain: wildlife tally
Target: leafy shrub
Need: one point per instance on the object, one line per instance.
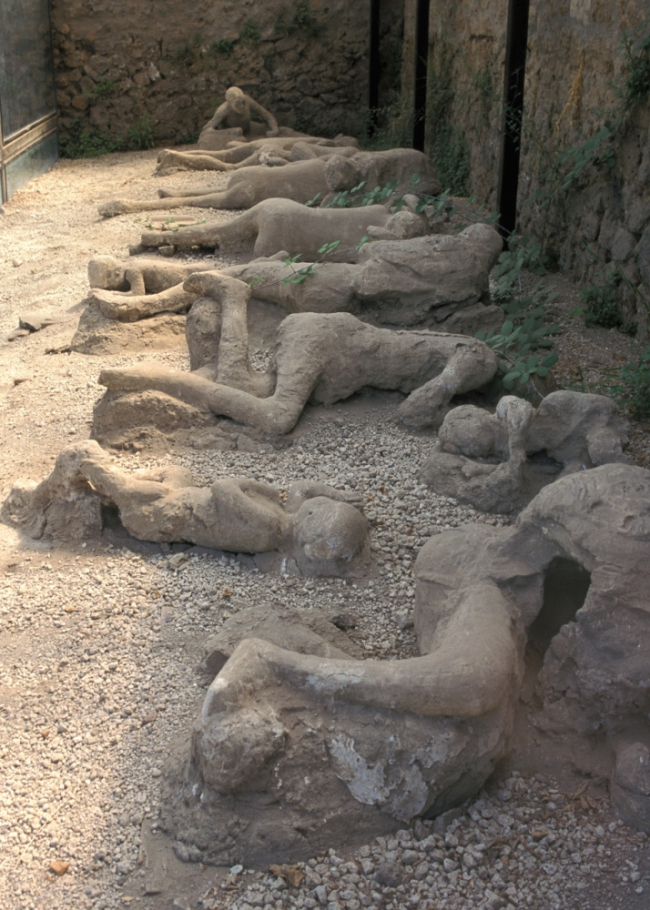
(140, 136)
(513, 345)
(357, 197)
(188, 138)
(84, 141)
(633, 388)
(300, 19)
(637, 82)
(524, 332)
(222, 46)
(102, 88)
(600, 303)
(251, 32)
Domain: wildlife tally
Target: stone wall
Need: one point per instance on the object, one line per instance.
(576, 73)
(576, 58)
(167, 63)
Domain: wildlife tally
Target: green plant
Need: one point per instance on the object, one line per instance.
(523, 254)
(188, 138)
(378, 196)
(300, 19)
(600, 307)
(525, 331)
(222, 46)
(297, 276)
(559, 169)
(140, 136)
(356, 196)
(603, 301)
(633, 386)
(188, 53)
(84, 141)
(102, 88)
(384, 128)
(598, 150)
(513, 345)
(448, 147)
(637, 70)
(484, 85)
(251, 32)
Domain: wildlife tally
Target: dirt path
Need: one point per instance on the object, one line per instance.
(100, 643)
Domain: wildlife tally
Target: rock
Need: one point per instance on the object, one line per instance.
(98, 334)
(388, 873)
(120, 419)
(630, 785)
(638, 215)
(59, 868)
(623, 245)
(35, 321)
(176, 561)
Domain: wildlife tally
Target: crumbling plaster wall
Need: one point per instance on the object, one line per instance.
(172, 60)
(575, 55)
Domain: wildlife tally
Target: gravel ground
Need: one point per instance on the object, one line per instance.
(101, 643)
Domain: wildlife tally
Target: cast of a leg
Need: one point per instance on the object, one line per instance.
(461, 676)
(319, 177)
(327, 357)
(283, 224)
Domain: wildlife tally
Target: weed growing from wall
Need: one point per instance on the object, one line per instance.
(85, 141)
(140, 136)
(251, 32)
(385, 128)
(222, 46)
(600, 306)
(103, 88)
(297, 18)
(636, 87)
(561, 169)
(448, 146)
(462, 102)
(632, 387)
(189, 53)
(565, 167)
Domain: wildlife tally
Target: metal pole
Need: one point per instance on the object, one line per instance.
(513, 108)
